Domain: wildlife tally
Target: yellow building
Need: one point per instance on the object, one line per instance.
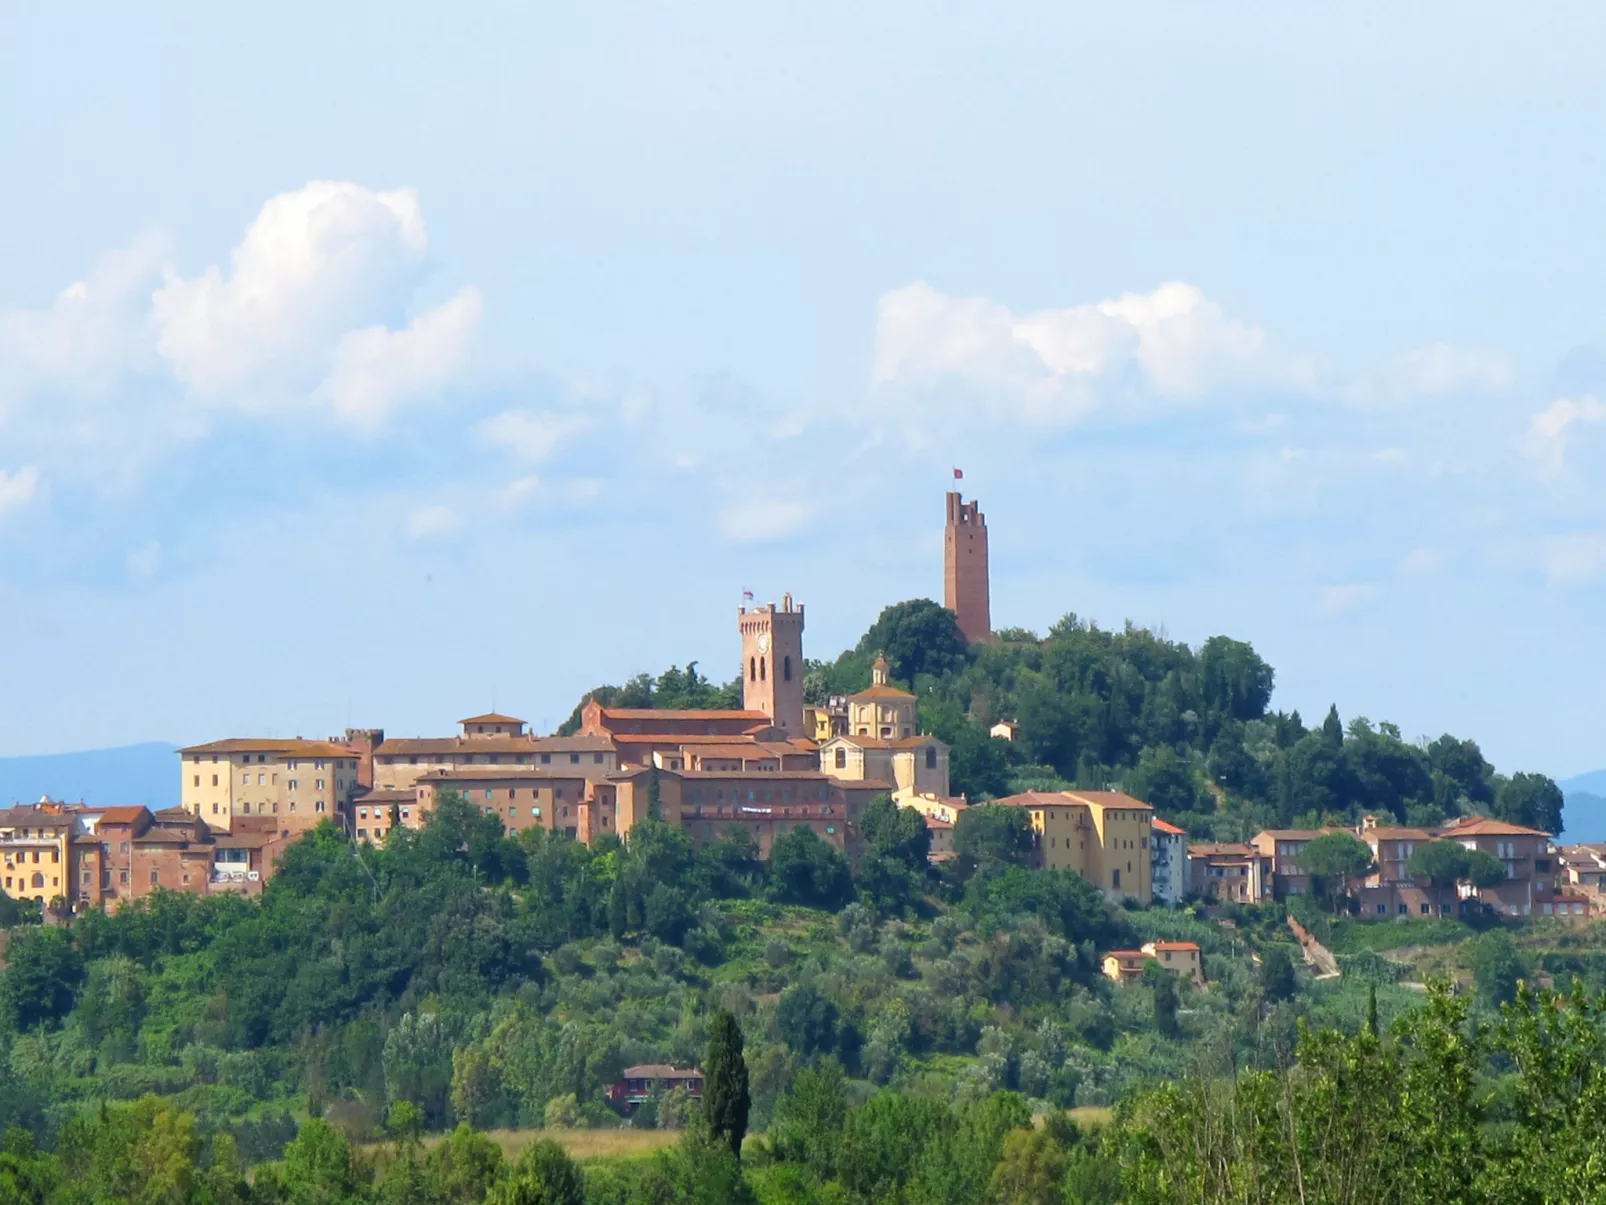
(1101, 835)
(35, 852)
(883, 742)
(297, 781)
(1179, 957)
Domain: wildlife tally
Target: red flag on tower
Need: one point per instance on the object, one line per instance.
(747, 594)
(959, 474)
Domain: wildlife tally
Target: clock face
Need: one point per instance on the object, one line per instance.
(763, 643)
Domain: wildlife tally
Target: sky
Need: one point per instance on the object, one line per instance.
(378, 364)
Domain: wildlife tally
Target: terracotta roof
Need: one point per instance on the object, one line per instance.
(1108, 799)
(660, 1071)
(122, 814)
(387, 795)
(1397, 834)
(491, 717)
(252, 744)
(26, 814)
(243, 840)
(1049, 799)
(933, 822)
(500, 773)
(1175, 945)
(498, 743)
(1296, 834)
(1205, 849)
(680, 738)
(1127, 954)
(755, 775)
(160, 835)
(752, 751)
(1167, 827)
(1484, 826)
(664, 713)
(865, 784)
(881, 692)
(886, 742)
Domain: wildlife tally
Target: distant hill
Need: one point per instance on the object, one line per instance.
(1585, 813)
(146, 774)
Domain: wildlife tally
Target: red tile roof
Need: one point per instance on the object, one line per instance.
(1167, 827)
(491, 717)
(1176, 945)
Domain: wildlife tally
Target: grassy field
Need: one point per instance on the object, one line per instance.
(1090, 1116)
(581, 1144)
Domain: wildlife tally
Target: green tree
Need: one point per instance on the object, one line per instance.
(1495, 966)
(1163, 993)
(991, 835)
(894, 832)
(1030, 1172)
(546, 1175)
(1332, 860)
(44, 971)
(319, 1168)
(806, 870)
(1277, 979)
(1164, 781)
(917, 637)
(725, 1095)
(1531, 800)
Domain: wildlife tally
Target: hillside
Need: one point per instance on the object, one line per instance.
(131, 774)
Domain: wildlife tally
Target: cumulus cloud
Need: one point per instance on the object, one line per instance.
(763, 519)
(376, 370)
(530, 436)
(1545, 442)
(1573, 558)
(1056, 366)
(17, 487)
(1443, 368)
(1423, 562)
(314, 264)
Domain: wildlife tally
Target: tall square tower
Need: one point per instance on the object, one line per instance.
(772, 663)
(965, 591)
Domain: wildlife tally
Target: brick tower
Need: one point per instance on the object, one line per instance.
(772, 663)
(964, 576)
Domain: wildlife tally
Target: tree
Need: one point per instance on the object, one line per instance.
(1277, 979)
(725, 1096)
(894, 832)
(1234, 682)
(1163, 989)
(545, 1176)
(1164, 781)
(808, 1020)
(1483, 869)
(806, 870)
(916, 637)
(1446, 863)
(1030, 1171)
(1531, 800)
(1332, 860)
(991, 835)
(43, 975)
(1495, 966)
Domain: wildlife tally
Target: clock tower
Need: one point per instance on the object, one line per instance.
(772, 663)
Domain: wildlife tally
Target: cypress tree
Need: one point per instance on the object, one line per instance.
(725, 1098)
(1371, 1009)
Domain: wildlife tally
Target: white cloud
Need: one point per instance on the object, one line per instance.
(1573, 558)
(428, 521)
(1057, 366)
(1334, 601)
(1545, 442)
(763, 519)
(1423, 562)
(1442, 368)
(530, 436)
(91, 334)
(376, 370)
(17, 487)
(314, 264)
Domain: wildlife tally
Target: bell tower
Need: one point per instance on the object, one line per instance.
(965, 589)
(772, 663)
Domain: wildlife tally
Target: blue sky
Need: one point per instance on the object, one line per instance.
(374, 363)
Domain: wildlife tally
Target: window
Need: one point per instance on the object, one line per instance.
(574, 759)
(546, 759)
(1115, 878)
(197, 780)
(786, 663)
(763, 669)
(489, 794)
(156, 878)
(752, 669)
(596, 758)
(931, 757)
(1425, 909)
(123, 849)
(362, 832)
(214, 809)
(320, 784)
(122, 877)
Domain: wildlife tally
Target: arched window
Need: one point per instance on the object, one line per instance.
(841, 758)
(931, 758)
(786, 664)
(752, 669)
(38, 879)
(763, 670)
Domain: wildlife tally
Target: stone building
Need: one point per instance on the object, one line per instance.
(883, 743)
(1104, 836)
(295, 783)
(965, 586)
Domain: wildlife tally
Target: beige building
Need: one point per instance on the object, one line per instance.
(296, 782)
(883, 742)
(489, 740)
(1179, 957)
(1101, 835)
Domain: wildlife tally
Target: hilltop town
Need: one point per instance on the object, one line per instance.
(776, 764)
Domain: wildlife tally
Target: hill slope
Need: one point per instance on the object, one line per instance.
(145, 773)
